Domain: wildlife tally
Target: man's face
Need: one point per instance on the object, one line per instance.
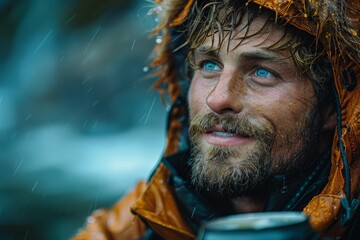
(251, 115)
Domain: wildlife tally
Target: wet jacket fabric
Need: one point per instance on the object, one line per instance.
(157, 207)
(148, 206)
(167, 208)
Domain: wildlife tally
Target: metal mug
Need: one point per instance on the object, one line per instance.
(256, 226)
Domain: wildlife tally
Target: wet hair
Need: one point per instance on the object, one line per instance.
(210, 17)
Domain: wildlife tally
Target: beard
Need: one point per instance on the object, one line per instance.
(241, 171)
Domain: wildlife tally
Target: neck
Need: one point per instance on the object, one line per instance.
(248, 204)
(252, 201)
(281, 192)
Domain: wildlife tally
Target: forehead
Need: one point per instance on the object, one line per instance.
(261, 32)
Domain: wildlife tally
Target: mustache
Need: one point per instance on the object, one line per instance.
(244, 126)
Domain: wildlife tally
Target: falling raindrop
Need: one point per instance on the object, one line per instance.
(43, 41)
(133, 45)
(95, 124)
(70, 19)
(151, 107)
(193, 211)
(95, 103)
(33, 188)
(18, 167)
(14, 135)
(86, 80)
(26, 234)
(92, 39)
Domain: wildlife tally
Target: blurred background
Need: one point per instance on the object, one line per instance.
(79, 124)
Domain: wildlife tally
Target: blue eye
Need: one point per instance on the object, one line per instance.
(262, 72)
(211, 66)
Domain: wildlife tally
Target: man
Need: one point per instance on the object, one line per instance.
(270, 122)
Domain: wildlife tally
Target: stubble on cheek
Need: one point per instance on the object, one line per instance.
(295, 148)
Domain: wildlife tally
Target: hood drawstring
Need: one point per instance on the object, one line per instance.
(177, 119)
(349, 79)
(349, 206)
(293, 202)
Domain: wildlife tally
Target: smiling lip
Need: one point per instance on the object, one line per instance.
(220, 137)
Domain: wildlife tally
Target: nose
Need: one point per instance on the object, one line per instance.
(224, 97)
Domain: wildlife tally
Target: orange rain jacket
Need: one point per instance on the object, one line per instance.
(153, 205)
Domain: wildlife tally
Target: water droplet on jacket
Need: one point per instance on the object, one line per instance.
(146, 69)
(96, 235)
(158, 39)
(354, 32)
(90, 220)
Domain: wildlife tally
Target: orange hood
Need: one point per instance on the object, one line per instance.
(336, 24)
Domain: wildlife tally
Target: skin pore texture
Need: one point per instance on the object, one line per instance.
(252, 116)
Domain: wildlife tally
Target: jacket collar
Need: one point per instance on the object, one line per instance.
(174, 210)
(158, 209)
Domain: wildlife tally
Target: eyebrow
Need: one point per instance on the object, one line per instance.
(264, 55)
(206, 50)
(256, 55)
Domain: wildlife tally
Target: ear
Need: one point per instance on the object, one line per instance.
(329, 118)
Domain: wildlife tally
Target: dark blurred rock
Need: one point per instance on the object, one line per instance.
(77, 112)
